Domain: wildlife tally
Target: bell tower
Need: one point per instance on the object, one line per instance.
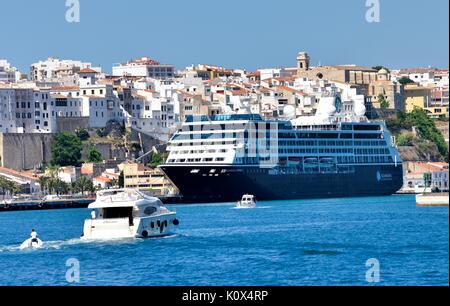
(302, 61)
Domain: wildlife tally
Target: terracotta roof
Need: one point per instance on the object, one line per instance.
(102, 179)
(87, 70)
(86, 171)
(252, 74)
(285, 88)
(65, 88)
(432, 167)
(23, 175)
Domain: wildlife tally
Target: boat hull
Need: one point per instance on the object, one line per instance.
(207, 184)
(149, 227)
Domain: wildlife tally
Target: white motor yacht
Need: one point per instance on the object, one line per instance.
(128, 213)
(248, 201)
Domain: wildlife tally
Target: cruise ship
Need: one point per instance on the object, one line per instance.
(330, 155)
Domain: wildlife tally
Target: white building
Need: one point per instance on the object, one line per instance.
(54, 70)
(8, 74)
(144, 67)
(271, 73)
(99, 99)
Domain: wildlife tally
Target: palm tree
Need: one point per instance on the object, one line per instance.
(3, 186)
(43, 182)
(83, 184)
(9, 186)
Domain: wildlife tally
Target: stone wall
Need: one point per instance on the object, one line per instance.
(25, 151)
(71, 124)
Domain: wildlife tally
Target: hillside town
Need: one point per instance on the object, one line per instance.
(67, 127)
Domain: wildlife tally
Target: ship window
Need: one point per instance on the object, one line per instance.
(117, 212)
(220, 159)
(150, 210)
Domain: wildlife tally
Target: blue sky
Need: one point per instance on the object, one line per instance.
(234, 33)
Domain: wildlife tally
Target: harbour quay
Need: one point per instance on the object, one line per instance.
(45, 205)
(432, 199)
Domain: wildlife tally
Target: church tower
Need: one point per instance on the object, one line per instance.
(302, 62)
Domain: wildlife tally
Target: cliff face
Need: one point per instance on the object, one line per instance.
(425, 153)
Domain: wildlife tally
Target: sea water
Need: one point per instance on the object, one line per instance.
(307, 242)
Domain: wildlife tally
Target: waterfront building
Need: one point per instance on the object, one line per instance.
(431, 175)
(69, 175)
(144, 178)
(27, 180)
(102, 182)
(144, 67)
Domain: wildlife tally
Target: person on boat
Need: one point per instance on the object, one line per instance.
(93, 214)
(34, 236)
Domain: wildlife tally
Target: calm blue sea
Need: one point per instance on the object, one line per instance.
(310, 242)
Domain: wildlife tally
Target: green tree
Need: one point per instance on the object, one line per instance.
(425, 125)
(61, 187)
(82, 134)
(405, 140)
(43, 182)
(8, 186)
(384, 104)
(405, 81)
(157, 159)
(94, 156)
(66, 150)
(428, 130)
(83, 184)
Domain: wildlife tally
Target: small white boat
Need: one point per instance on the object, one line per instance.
(31, 243)
(128, 213)
(248, 201)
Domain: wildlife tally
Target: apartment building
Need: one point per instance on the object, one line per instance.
(54, 70)
(144, 67)
(144, 178)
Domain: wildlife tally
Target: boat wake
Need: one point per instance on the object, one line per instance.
(58, 245)
(250, 208)
(47, 245)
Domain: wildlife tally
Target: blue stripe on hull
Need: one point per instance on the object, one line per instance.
(206, 187)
